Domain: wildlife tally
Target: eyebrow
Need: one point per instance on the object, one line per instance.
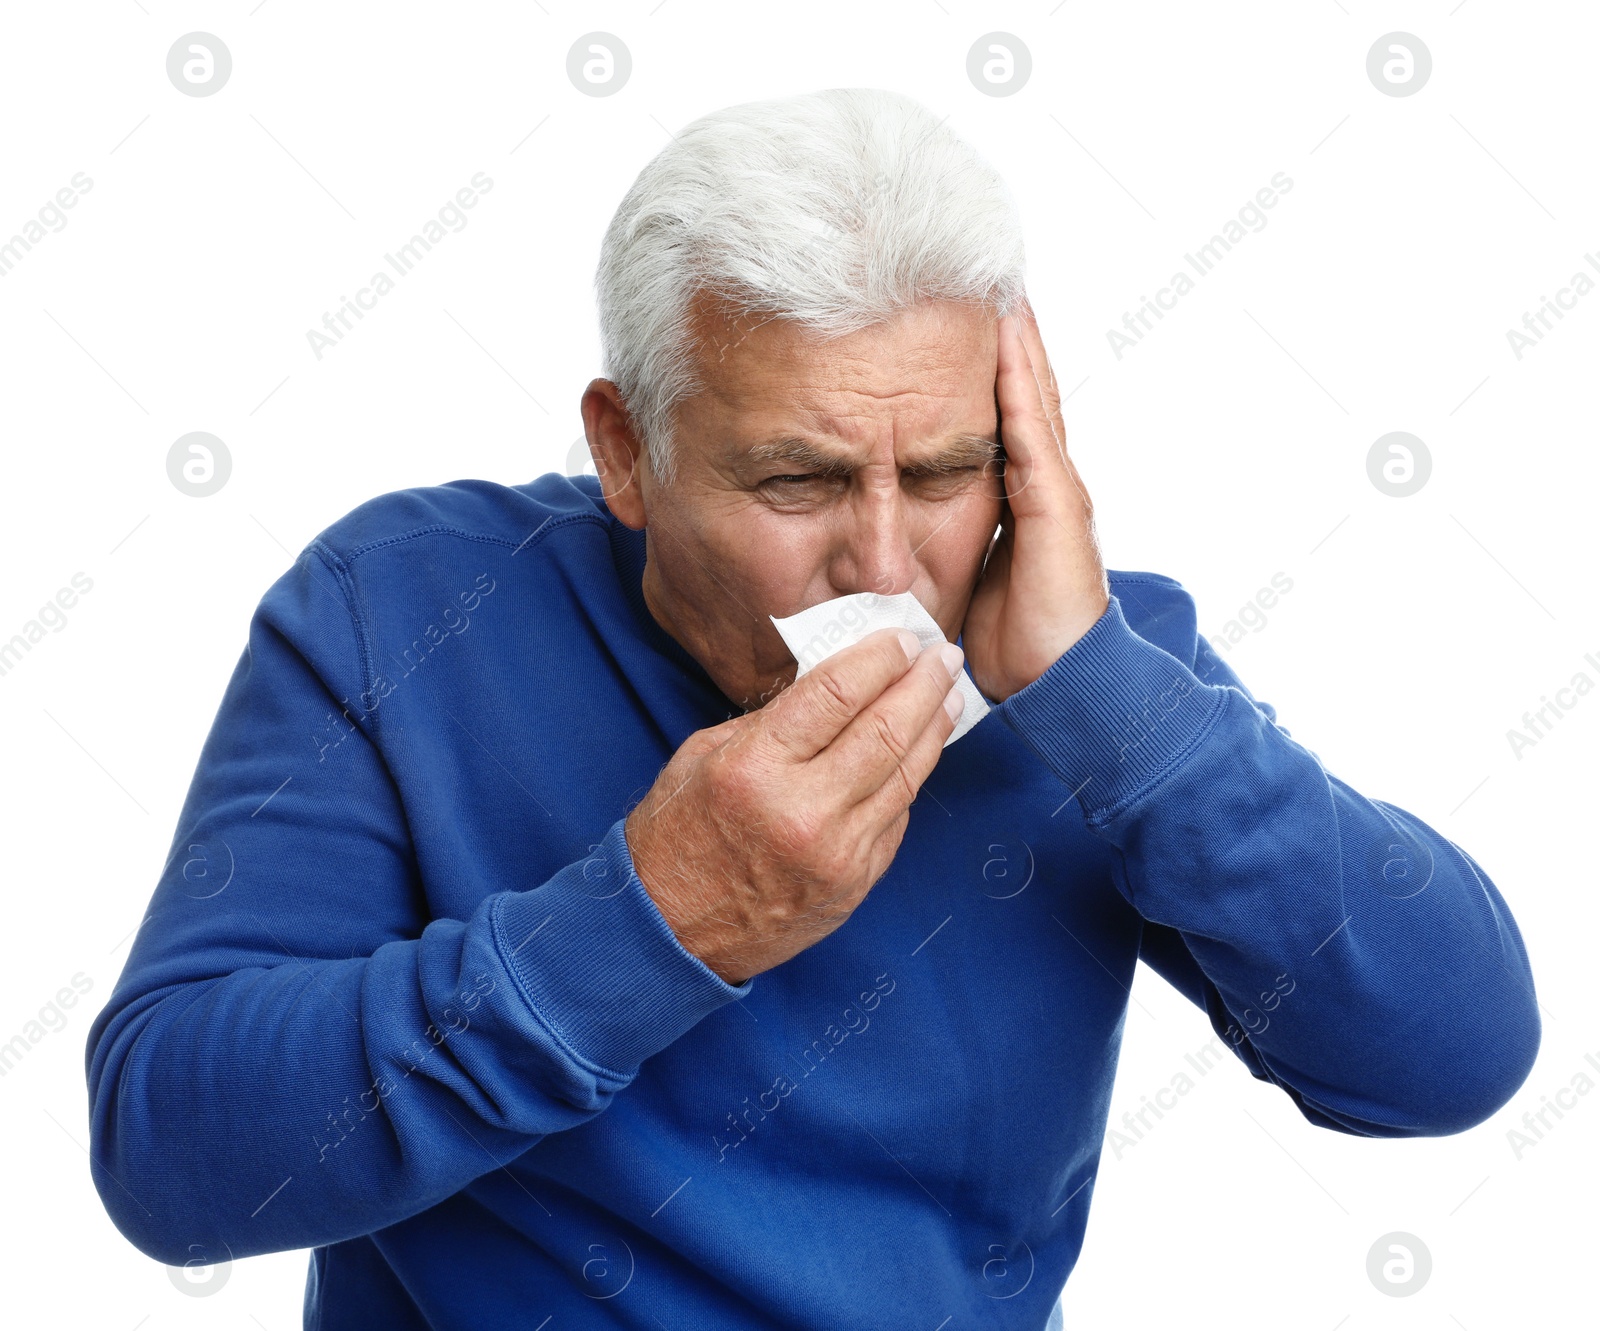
(964, 450)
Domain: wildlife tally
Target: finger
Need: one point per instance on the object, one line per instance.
(1034, 341)
(870, 752)
(884, 808)
(1044, 372)
(1043, 378)
(811, 713)
(1049, 392)
(1033, 454)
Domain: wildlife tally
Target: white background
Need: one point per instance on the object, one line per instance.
(1228, 446)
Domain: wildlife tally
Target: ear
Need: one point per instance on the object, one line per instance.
(618, 454)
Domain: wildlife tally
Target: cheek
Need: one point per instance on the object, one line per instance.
(952, 557)
(741, 565)
(961, 533)
(777, 556)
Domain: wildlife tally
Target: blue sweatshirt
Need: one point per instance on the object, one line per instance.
(401, 999)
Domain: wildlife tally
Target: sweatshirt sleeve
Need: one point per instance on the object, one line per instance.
(295, 1052)
(1347, 952)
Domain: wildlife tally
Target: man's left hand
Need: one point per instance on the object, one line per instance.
(1043, 584)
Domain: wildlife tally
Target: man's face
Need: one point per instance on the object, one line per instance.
(811, 469)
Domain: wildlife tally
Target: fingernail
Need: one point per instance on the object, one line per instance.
(911, 643)
(952, 657)
(954, 704)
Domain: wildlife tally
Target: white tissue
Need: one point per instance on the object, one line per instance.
(816, 634)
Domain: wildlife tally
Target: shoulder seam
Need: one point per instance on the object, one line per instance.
(444, 529)
(340, 566)
(364, 649)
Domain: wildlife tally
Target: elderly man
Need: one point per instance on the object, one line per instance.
(540, 947)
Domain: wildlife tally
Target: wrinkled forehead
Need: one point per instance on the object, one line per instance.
(932, 363)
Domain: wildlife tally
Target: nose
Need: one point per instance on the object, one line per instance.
(877, 549)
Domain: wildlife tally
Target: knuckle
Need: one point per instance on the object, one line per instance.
(897, 829)
(833, 864)
(887, 733)
(809, 839)
(795, 834)
(834, 911)
(887, 846)
(905, 788)
(831, 691)
(729, 778)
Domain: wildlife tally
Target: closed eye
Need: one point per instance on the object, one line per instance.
(916, 474)
(944, 471)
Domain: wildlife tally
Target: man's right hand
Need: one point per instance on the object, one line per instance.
(764, 833)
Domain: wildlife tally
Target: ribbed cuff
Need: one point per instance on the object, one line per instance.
(600, 965)
(1113, 714)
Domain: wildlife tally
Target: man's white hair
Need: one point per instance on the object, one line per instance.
(833, 209)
